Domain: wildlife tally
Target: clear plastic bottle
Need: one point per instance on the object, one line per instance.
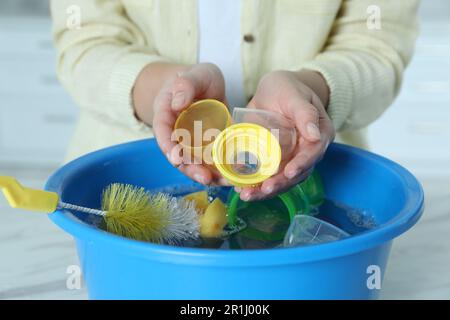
(280, 126)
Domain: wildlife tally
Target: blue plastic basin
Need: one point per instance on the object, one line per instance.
(118, 268)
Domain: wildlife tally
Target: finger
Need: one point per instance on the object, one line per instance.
(327, 129)
(223, 182)
(249, 193)
(184, 90)
(175, 155)
(304, 175)
(257, 194)
(279, 183)
(272, 187)
(306, 117)
(310, 153)
(218, 179)
(163, 122)
(199, 81)
(276, 184)
(197, 172)
(304, 160)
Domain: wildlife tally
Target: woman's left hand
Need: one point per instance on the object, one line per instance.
(286, 93)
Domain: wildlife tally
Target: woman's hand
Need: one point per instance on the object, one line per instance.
(286, 93)
(201, 81)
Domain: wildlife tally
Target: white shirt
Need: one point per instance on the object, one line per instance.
(220, 43)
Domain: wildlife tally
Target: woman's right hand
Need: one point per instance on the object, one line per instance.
(200, 81)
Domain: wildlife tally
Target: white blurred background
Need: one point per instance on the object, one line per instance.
(37, 119)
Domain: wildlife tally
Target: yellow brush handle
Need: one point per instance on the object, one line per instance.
(26, 198)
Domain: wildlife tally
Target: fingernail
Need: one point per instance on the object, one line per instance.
(199, 178)
(173, 159)
(268, 189)
(291, 174)
(169, 157)
(313, 131)
(245, 196)
(237, 189)
(178, 100)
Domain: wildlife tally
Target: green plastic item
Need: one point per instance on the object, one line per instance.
(264, 209)
(300, 199)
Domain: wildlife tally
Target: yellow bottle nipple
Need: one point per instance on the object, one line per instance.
(246, 154)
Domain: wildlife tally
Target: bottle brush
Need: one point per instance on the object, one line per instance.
(127, 211)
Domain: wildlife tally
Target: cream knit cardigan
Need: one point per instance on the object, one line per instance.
(102, 45)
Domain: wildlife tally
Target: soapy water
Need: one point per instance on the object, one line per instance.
(270, 230)
(268, 221)
(181, 190)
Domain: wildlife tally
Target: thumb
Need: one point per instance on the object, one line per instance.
(306, 117)
(202, 80)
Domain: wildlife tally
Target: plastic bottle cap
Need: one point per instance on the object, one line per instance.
(210, 114)
(246, 154)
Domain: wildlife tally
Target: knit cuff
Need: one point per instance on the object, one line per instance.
(121, 84)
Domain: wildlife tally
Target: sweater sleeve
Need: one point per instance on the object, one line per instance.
(99, 60)
(363, 61)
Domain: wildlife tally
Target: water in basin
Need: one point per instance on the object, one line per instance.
(268, 222)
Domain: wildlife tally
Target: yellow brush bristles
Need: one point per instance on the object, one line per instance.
(134, 213)
(130, 213)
